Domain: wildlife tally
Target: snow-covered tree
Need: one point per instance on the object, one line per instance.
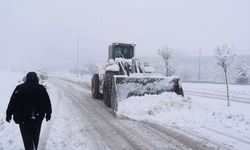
(224, 58)
(243, 74)
(166, 53)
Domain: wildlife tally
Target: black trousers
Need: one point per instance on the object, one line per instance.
(30, 131)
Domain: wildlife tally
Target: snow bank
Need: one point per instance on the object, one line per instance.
(155, 108)
(209, 118)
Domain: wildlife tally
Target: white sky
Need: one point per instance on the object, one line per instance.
(38, 32)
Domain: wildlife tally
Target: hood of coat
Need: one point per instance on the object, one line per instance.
(32, 77)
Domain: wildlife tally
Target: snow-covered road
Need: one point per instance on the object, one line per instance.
(80, 122)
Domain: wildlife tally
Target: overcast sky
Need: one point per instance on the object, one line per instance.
(39, 32)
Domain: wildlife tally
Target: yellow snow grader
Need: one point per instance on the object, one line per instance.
(124, 76)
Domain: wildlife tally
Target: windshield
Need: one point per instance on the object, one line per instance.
(123, 52)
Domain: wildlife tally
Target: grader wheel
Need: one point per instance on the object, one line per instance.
(95, 87)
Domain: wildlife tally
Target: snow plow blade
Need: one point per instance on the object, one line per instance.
(125, 87)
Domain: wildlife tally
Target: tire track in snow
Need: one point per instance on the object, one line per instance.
(131, 135)
(195, 145)
(101, 126)
(218, 96)
(162, 134)
(131, 144)
(227, 135)
(45, 132)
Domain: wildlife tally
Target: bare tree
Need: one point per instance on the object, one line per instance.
(224, 57)
(166, 53)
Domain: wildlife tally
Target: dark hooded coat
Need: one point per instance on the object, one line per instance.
(28, 100)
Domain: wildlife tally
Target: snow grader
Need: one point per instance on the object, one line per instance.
(124, 76)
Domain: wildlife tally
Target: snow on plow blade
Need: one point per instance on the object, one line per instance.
(125, 87)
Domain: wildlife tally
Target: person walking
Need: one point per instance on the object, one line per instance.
(29, 105)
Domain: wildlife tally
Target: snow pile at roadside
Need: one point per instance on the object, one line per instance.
(208, 118)
(155, 108)
(174, 110)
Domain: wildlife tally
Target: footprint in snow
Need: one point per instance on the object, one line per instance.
(1, 125)
(1, 121)
(10, 142)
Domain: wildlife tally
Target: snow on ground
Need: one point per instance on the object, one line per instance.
(67, 75)
(208, 118)
(63, 131)
(65, 136)
(9, 132)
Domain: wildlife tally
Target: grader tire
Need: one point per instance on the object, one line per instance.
(180, 91)
(95, 87)
(107, 87)
(177, 88)
(107, 93)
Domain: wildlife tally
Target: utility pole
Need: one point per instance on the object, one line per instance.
(77, 49)
(77, 63)
(199, 75)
